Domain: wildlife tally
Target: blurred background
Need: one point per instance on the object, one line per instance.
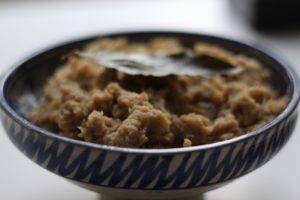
(29, 25)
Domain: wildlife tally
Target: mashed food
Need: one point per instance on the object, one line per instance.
(86, 101)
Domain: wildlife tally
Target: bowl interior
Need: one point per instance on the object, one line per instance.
(23, 86)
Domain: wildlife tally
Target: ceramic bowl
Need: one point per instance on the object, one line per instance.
(142, 173)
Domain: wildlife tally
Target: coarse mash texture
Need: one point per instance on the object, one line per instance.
(86, 101)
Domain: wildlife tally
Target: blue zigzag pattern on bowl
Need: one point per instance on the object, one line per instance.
(152, 171)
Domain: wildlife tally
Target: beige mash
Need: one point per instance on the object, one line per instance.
(89, 102)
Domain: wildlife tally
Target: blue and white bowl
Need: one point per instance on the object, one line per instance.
(142, 173)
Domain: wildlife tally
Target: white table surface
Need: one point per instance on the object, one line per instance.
(26, 26)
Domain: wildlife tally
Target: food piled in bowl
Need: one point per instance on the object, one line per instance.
(88, 101)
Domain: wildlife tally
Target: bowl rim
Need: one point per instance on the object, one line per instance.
(288, 70)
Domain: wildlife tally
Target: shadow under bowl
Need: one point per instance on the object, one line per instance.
(142, 173)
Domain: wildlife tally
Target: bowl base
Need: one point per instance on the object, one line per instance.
(108, 197)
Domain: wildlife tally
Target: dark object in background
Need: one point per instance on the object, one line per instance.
(269, 14)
